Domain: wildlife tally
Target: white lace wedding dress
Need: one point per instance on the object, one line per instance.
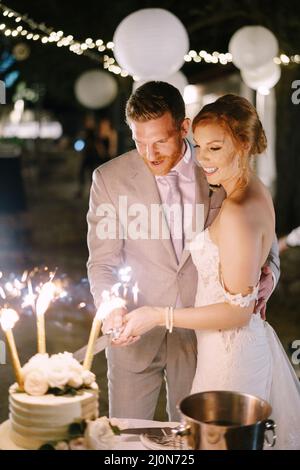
(250, 359)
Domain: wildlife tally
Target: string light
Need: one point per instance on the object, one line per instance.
(90, 47)
(204, 56)
(283, 59)
(225, 58)
(40, 32)
(296, 58)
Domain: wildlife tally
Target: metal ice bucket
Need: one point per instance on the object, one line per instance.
(221, 420)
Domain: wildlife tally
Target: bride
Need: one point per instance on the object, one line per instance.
(237, 349)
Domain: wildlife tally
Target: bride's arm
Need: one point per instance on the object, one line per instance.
(240, 249)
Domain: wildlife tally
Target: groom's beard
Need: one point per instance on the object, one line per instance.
(163, 164)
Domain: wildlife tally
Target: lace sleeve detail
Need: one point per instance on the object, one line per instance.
(239, 299)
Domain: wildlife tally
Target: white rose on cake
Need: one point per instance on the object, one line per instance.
(99, 434)
(37, 362)
(75, 380)
(35, 374)
(75, 370)
(36, 382)
(88, 377)
(59, 371)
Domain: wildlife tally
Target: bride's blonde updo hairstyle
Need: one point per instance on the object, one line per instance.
(240, 120)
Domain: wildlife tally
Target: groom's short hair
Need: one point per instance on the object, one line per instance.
(152, 100)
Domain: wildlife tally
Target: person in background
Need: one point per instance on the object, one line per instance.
(107, 140)
(290, 240)
(90, 154)
(14, 216)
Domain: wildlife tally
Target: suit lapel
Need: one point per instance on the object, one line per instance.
(147, 192)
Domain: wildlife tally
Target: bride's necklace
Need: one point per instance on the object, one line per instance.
(213, 188)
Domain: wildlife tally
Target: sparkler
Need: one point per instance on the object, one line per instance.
(109, 303)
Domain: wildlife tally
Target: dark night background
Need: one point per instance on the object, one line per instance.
(210, 26)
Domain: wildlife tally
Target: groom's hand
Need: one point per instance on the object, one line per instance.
(266, 285)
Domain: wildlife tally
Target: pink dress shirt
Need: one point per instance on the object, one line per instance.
(187, 184)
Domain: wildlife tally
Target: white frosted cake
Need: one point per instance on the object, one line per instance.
(36, 420)
(57, 392)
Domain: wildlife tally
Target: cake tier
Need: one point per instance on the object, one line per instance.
(37, 420)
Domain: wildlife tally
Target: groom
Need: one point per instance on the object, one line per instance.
(160, 173)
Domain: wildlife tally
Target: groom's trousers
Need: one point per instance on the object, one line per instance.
(135, 394)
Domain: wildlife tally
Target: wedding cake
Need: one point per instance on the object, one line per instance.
(57, 392)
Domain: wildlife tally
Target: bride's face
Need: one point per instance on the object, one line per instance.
(216, 153)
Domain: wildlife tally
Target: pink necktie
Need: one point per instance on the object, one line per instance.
(175, 219)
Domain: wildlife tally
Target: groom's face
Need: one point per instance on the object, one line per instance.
(160, 142)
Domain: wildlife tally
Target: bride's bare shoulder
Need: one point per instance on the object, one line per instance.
(234, 212)
(248, 223)
(253, 207)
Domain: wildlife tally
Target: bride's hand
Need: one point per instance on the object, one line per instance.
(114, 321)
(266, 287)
(141, 320)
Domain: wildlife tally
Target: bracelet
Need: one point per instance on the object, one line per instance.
(167, 322)
(169, 315)
(171, 319)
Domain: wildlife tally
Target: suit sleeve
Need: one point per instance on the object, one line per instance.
(274, 261)
(104, 243)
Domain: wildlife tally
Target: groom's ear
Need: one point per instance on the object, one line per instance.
(185, 127)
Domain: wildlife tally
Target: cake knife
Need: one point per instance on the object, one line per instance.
(152, 431)
(100, 344)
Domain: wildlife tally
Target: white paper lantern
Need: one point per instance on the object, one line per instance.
(252, 47)
(264, 77)
(178, 80)
(151, 43)
(95, 89)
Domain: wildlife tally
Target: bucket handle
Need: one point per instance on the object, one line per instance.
(182, 430)
(270, 426)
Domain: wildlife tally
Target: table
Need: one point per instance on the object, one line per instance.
(123, 442)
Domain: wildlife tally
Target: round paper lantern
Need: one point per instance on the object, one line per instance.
(178, 80)
(262, 77)
(95, 89)
(252, 47)
(151, 43)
